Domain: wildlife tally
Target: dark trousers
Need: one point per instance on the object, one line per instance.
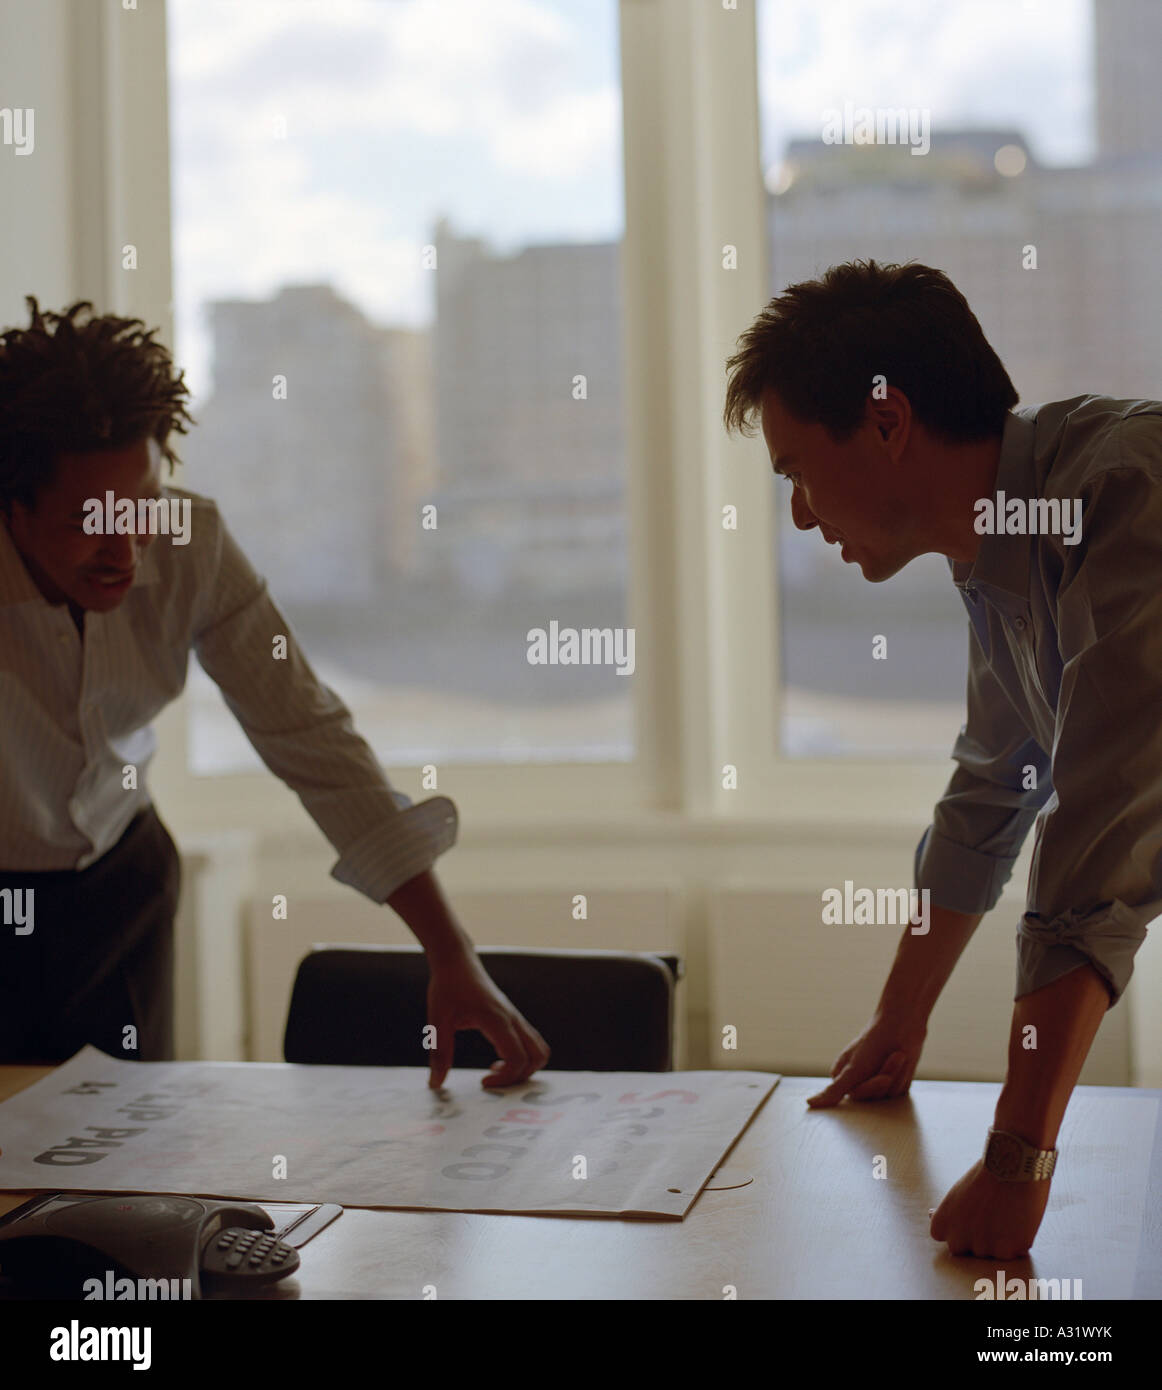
(99, 959)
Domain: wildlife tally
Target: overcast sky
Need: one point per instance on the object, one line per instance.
(504, 115)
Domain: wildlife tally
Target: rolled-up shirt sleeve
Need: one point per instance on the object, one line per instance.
(1096, 875)
(966, 855)
(304, 733)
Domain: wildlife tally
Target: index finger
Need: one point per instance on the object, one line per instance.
(441, 1054)
(854, 1080)
(830, 1095)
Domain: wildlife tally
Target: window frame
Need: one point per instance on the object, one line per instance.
(703, 599)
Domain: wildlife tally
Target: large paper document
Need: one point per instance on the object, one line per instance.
(584, 1143)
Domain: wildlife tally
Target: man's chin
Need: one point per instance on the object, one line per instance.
(877, 568)
(102, 605)
(101, 598)
(873, 573)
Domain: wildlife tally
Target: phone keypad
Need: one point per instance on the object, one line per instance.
(249, 1254)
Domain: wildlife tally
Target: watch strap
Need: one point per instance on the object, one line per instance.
(1013, 1159)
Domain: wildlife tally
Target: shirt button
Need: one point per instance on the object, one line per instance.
(1019, 624)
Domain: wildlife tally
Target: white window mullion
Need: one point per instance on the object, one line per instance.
(121, 136)
(693, 187)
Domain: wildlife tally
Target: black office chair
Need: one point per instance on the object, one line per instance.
(597, 1010)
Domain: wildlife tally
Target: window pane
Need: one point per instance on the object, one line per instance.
(412, 214)
(1041, 128)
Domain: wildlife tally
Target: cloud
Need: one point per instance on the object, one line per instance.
(500, 75)
(990, 62)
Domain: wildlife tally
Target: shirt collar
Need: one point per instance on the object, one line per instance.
(1002, 562)
(18, 586)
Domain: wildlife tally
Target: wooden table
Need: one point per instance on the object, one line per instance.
(813, 1221)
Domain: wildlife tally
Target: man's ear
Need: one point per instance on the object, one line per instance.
(892, 415)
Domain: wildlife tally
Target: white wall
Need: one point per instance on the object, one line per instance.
(743, 910)
(38, 232)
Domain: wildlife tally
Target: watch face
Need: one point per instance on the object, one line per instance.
(1005, 1155)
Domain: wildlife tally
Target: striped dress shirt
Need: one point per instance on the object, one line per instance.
(1064, 701)
(74, 715)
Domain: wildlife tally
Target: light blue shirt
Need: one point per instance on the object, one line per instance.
(75, 714)
(1064, 685)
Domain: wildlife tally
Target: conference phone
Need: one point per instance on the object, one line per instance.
(86, 1246)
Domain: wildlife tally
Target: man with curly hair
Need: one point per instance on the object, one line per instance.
(98, 616)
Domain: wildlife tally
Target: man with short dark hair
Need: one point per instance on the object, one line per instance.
(894, 420)
(98, 616)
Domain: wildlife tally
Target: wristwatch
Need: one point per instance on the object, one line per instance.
(1009, 1157)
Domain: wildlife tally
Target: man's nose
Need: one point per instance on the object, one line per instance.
(801, 514)
(120, 552)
